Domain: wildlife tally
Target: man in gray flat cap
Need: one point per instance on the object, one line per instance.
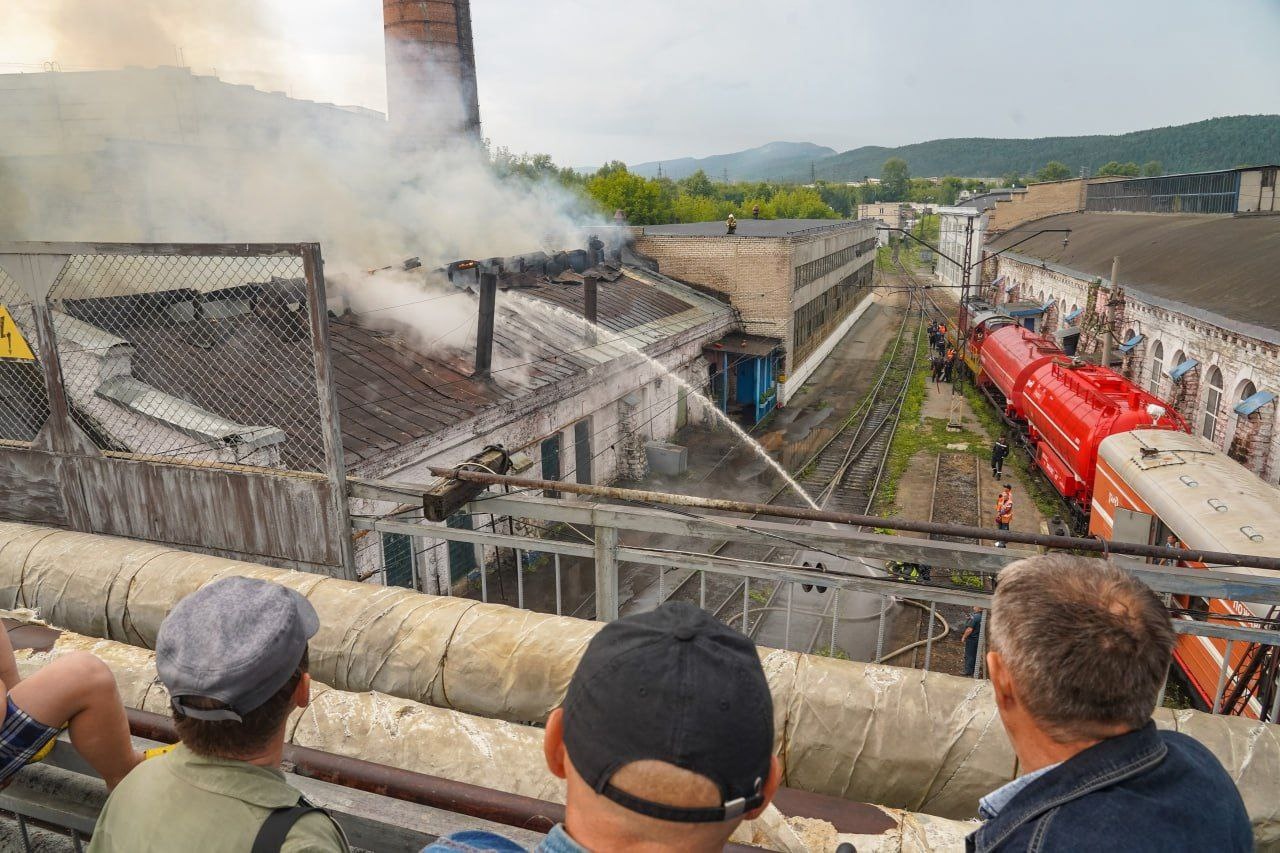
(233, 656)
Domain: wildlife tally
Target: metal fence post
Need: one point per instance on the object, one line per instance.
(1222, 679)
(331, 425)
(606, 555)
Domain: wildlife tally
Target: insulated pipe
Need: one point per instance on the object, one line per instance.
(483, 768)
(906, 738)
(929, 527)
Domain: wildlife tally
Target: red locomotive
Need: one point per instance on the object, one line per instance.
(1062, 406)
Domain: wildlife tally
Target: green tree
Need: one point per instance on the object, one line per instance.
(800, 203)
(1153, 169)
(1053, 171)
(950, 189)
(895, 180)
(698, 184)
(1125, 170)
(643, 201)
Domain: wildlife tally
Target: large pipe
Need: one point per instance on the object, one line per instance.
(484, 326)
(901, 737)
(486, 769)
(590, 309)
(431, 69)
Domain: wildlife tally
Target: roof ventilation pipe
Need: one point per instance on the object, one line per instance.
(484, 328)
(590, 306)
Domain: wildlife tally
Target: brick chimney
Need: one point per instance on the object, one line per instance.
(431, 69)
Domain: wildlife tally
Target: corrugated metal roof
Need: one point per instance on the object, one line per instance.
(1219, 268)
(390, 392)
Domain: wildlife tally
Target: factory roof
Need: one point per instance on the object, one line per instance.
(1217, 268)
(393, 391)
(772, 228)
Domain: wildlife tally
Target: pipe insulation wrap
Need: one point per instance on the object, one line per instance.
(909, 739)
(491, 753)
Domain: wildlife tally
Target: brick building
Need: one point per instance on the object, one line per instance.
(1195, 319)
(801, 282)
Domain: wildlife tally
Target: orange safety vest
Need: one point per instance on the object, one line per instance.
(1004, 509)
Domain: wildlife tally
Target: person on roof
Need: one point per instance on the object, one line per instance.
(732, 224)
(233, 656)
(1077, 652)
(75, 691)
(755, 211)
(665, 739)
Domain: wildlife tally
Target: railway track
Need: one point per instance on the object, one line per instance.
(843, 474)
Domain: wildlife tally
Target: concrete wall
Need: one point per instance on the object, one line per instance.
(953, 224)
(891, 213)
(1241, 359)
(1254, 196)
(1039, 201)
(755, 273)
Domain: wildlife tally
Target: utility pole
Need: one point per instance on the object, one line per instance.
(813, 173)
(1108, 340)
(726, 174)
(659, 171)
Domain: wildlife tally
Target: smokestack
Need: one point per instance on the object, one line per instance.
(590, 290)
(484, 331)
(431, 68)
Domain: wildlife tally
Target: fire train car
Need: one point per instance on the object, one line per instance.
(1156, 483)
(1063, 406)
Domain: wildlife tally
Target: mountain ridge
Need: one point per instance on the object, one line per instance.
(1215, 143)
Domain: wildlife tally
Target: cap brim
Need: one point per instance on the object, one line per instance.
(307, 613)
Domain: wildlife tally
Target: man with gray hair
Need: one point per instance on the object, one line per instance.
(1079, 649)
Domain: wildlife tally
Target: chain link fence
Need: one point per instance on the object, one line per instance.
(186, 357)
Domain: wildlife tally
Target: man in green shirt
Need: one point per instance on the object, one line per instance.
(233, 656)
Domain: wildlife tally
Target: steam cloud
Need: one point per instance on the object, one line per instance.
(169, 156)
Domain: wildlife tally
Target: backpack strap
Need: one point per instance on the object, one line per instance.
(275, 829)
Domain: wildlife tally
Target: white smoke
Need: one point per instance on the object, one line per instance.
(164, 155)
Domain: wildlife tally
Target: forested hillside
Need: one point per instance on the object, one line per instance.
(1218, 143)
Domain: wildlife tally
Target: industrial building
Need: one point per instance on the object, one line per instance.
(798, 283)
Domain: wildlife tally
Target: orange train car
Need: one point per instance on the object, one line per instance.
(1151, 484)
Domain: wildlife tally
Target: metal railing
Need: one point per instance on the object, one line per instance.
(609, 559)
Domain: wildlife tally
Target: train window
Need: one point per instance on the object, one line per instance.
(1131, 526)
(1157, 368)
(1212, 403)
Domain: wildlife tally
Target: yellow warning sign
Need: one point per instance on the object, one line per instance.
(12, 343)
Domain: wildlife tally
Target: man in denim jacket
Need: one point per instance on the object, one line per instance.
(1078, 651)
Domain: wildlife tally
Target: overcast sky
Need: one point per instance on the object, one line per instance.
(590, 80)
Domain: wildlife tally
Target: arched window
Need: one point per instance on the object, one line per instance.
(1157, 368)
(1212, 402)
(1247, 390)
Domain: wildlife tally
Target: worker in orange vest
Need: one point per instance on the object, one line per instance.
(1004, 510)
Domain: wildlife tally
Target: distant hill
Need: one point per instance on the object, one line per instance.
(1218, 143)
(751, 165)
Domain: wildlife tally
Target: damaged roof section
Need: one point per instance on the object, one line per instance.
(228, 374)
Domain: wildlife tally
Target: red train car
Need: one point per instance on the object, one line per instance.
(1071, 407)
(1064, 407)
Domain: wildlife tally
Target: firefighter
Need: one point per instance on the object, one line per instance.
(999, 451)
(949, 365)
(1004, 511)
(732, 224)
(755, 211)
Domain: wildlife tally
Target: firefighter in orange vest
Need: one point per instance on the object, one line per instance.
(1004, 510)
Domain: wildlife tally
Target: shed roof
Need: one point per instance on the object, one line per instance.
(391, 392)
(1221, 268)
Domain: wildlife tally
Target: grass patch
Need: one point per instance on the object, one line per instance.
(759, 596)
(1045, 498)
(840, 654)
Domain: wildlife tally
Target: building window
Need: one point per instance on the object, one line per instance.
(462, 555)
(814, 270)
(1269, 179)
(551, 461)
(1212, 402)
(1157, 368)
(397, 560)
(582, 451)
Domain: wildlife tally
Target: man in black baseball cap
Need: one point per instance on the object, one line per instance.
(233, 656)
